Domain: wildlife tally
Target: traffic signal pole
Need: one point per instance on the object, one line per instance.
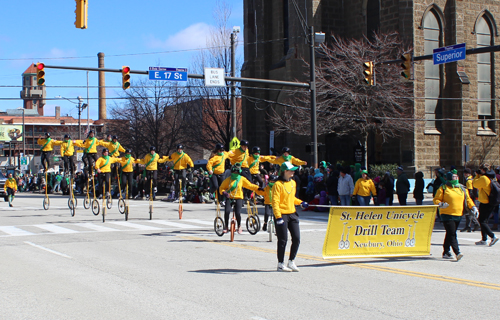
(312, 79)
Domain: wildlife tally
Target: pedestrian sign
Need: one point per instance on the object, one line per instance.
(234, 144)
(24, 161)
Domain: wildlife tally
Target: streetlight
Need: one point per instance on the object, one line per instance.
(80, 108)
(24, 133)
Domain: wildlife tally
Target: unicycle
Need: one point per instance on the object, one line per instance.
(86, 200)
(271, 227)
(95, 202)
(151, 200)
(180, 199)
(232, 228)
(104, 203)
(72, 203)
(46, 201)
(126, 204)
(253, 222)
(218, 222)
(121, 202)
(109, 200)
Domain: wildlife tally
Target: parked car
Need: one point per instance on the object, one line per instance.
(3, 179)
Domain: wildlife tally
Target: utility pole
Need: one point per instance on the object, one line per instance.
(233, 88)
(314, 131)
(80, 118)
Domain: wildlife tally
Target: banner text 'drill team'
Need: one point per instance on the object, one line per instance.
(379, 231)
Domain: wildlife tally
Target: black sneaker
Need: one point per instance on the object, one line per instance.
(264, 227)
(465, 229)
(447, 255)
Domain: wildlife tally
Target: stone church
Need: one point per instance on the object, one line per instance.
(463, 94)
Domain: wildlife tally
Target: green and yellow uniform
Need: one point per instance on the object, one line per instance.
(483, 185)
(67, 147)
(238, 156)
(234, 188)
(217, 163)
(180, 160)
(289, 158)
(47, 144)
(253, 162)
(454, 196)
(283, 198)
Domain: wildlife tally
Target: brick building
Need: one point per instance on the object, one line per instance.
(275, 47)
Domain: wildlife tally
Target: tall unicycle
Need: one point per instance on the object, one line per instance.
(218, 222)
(126, 204)
(109, 200)
(104, 203)
(72, 200)
(270, 227)
(253, 222)
(86, 200)
(180, 199)
(232, 228)
(121, 202)
(151, 200)
(95, 202)
(46, 201)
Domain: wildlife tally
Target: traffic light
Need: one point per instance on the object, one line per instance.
(125, 77)
(40, 74)
(81, 13)
(369, 72)
(406, 65)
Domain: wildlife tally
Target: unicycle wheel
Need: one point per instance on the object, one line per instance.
(252, 225)
(46, 203)
(95, 207)
(219, 226)
(86, 203)
(109, 202)
(121, 206)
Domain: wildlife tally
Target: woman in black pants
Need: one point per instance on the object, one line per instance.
(287, 219)
(232, 188)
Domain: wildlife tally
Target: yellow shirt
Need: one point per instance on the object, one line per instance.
(284, 200)
(130, 166)
(293, 160)
(455, 198)
(468, 183)
(154, 164)
(238, 156)
(10, 183)
(266, 193)
(65, 149)
(483, 185)
(215, 160)
(182, 163)
(99, 164)
(237, 193)
(114, 148)
(254, 169)
(87, 143)
(49, 146)
(363, 188)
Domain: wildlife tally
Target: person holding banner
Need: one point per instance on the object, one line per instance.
(286, 217)
(452, 199)
(364, 189)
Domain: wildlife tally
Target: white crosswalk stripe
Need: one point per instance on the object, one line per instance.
(175, 224)
(95, 227)
(15, 231)
(134, 225)
(55, 229)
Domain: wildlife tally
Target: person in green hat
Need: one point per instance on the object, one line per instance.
(286, 217)
(364, 189)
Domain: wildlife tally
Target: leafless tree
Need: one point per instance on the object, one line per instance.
(345, 103)
(152, 116)
(211, 111)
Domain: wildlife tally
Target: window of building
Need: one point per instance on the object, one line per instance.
(372, 18)
(433, 83)
(485, 72)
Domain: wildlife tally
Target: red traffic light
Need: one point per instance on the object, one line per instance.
(40, 66)
(126, 70)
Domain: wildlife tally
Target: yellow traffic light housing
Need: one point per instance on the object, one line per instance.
(369, 73)
(125, 77)
(406, 65)
(81, 14)
(40, 74)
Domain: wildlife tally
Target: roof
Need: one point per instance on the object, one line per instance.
(31, 69)
(19, 112)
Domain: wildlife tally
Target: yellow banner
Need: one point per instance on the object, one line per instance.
(9, 132)
(234, 144)
(379, 231)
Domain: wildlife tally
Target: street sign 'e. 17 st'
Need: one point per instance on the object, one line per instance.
(449, 54)
(169, 74)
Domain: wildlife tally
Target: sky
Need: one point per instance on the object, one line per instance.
(139, 34)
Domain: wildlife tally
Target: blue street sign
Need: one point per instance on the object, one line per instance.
(169, 74)
(449, 54)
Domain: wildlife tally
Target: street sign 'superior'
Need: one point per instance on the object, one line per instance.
(449, 54)
(169, 74)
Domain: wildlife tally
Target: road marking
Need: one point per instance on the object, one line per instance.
(95, 227)
(54, 229)
(14, 231)
(134, 225)
(205, 223)
(47, 249)
(430, 276)
(174, 224)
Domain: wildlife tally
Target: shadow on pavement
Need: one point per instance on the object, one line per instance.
(230, 271)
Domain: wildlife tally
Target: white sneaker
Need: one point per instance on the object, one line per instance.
(493, 241)
(481, 243)
(283, 268)
(292, 266)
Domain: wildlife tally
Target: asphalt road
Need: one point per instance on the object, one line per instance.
(54, 266)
